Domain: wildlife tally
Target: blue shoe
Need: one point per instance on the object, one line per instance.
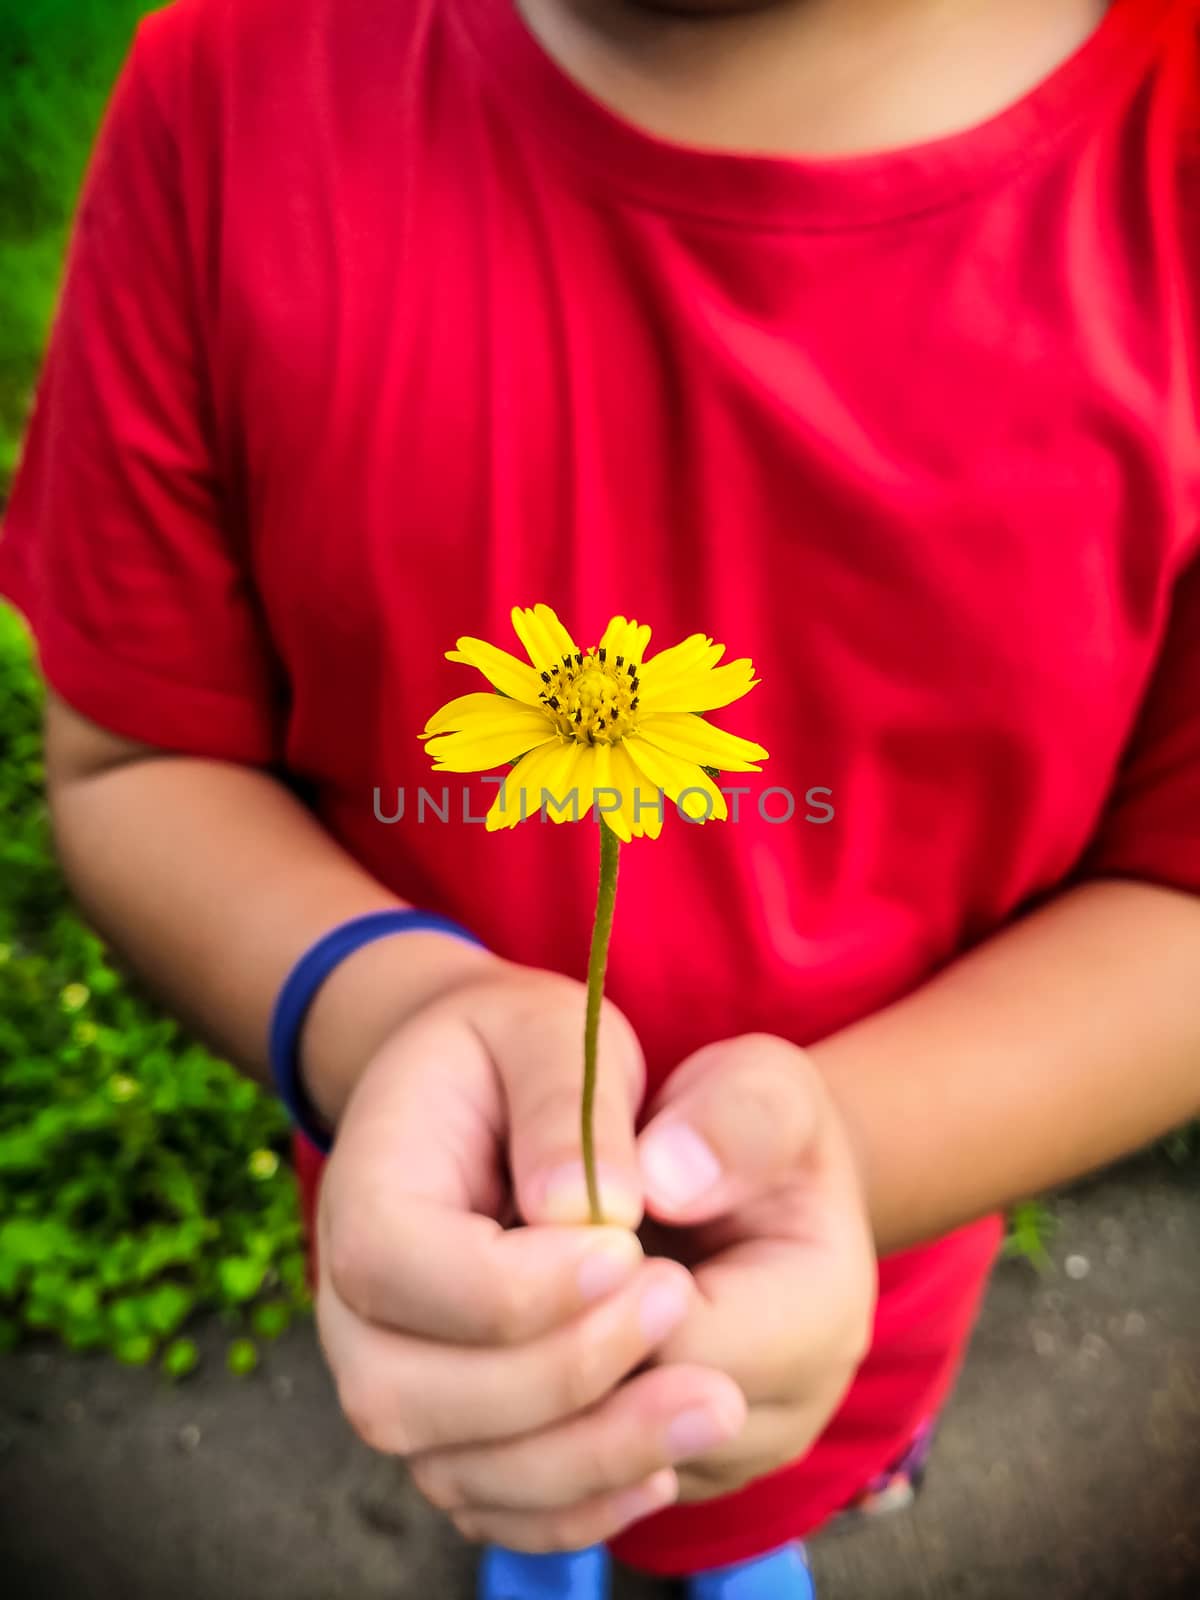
(559, 1575)
(779, 1575)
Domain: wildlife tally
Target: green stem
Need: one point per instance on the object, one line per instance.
(606, 895)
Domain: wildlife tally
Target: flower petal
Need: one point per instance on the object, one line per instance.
(642, 803)
(604, 791)
(675, 777)
(481, 712)
(543, 635)
(626, 639)
(481, 746)
(703, 690)
(692, 739)
(665, 669)
(556, 770)
(612, 640)
(510, 676)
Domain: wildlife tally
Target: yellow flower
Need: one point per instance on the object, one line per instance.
(263, 1164)
(602, 726)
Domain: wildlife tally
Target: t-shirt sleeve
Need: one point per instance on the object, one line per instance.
(118, 543)
(1151, 826)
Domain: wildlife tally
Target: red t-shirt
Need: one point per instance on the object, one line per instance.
(376, 325)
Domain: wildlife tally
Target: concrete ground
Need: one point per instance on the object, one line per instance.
(1068, 1465)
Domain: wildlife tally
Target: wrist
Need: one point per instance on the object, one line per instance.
(370, 994)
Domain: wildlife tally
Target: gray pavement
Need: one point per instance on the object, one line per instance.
(1068, 1466)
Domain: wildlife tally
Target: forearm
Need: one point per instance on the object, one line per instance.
(1063, 1043)
(210, 880)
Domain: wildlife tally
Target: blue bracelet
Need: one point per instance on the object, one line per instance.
(300, 990)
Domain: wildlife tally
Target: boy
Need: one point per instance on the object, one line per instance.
(858, 333)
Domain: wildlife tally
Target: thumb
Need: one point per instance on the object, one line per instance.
(538, 1052)
(734, 1120)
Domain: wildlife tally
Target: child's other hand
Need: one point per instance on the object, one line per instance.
(779, 1243)
(479, 1353)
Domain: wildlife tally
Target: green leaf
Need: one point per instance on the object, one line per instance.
(136, 1351)
(293, 1274)
(19, 1152)
(180, 1357)
(271, 1319)
(127, 1318)
(1030, 1226)
(178, 1188)
(82, 1303)
(166, 1307)
(242, 1357)
(31, 1244)
(240, 1277)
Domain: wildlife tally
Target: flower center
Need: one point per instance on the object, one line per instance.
(592, 699)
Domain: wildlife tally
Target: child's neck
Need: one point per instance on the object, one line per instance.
(809, 77)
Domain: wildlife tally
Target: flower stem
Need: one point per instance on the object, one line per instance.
(606, 895)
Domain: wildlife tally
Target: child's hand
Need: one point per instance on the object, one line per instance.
(472, 1350)
(780, 1246)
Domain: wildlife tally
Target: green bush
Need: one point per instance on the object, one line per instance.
(57, 61)
(141, 1181)
(1031, 1226)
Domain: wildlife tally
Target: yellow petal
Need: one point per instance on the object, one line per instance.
(669, 666)
(556, 776)
(583, 777)
(473, 750)
(675, 778)
(543, 635)
(510, 676)
(626, 639)
(612, 640)
(704, 690)
(631, 806)
(605, 793)
(693, 739)
(642, 806)
(482, 713)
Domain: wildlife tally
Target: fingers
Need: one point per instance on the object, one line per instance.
(498, 1069)
(405, 1395)
(769, 1437)
(783, 1227)
(577, 1528)
(772, 1437)
(426, 1121)
(649, 1423)
(462, 1278)
(733, 1120)
(796, 1244)
(409, 1203)
(813, 1305)
(538, 1050)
